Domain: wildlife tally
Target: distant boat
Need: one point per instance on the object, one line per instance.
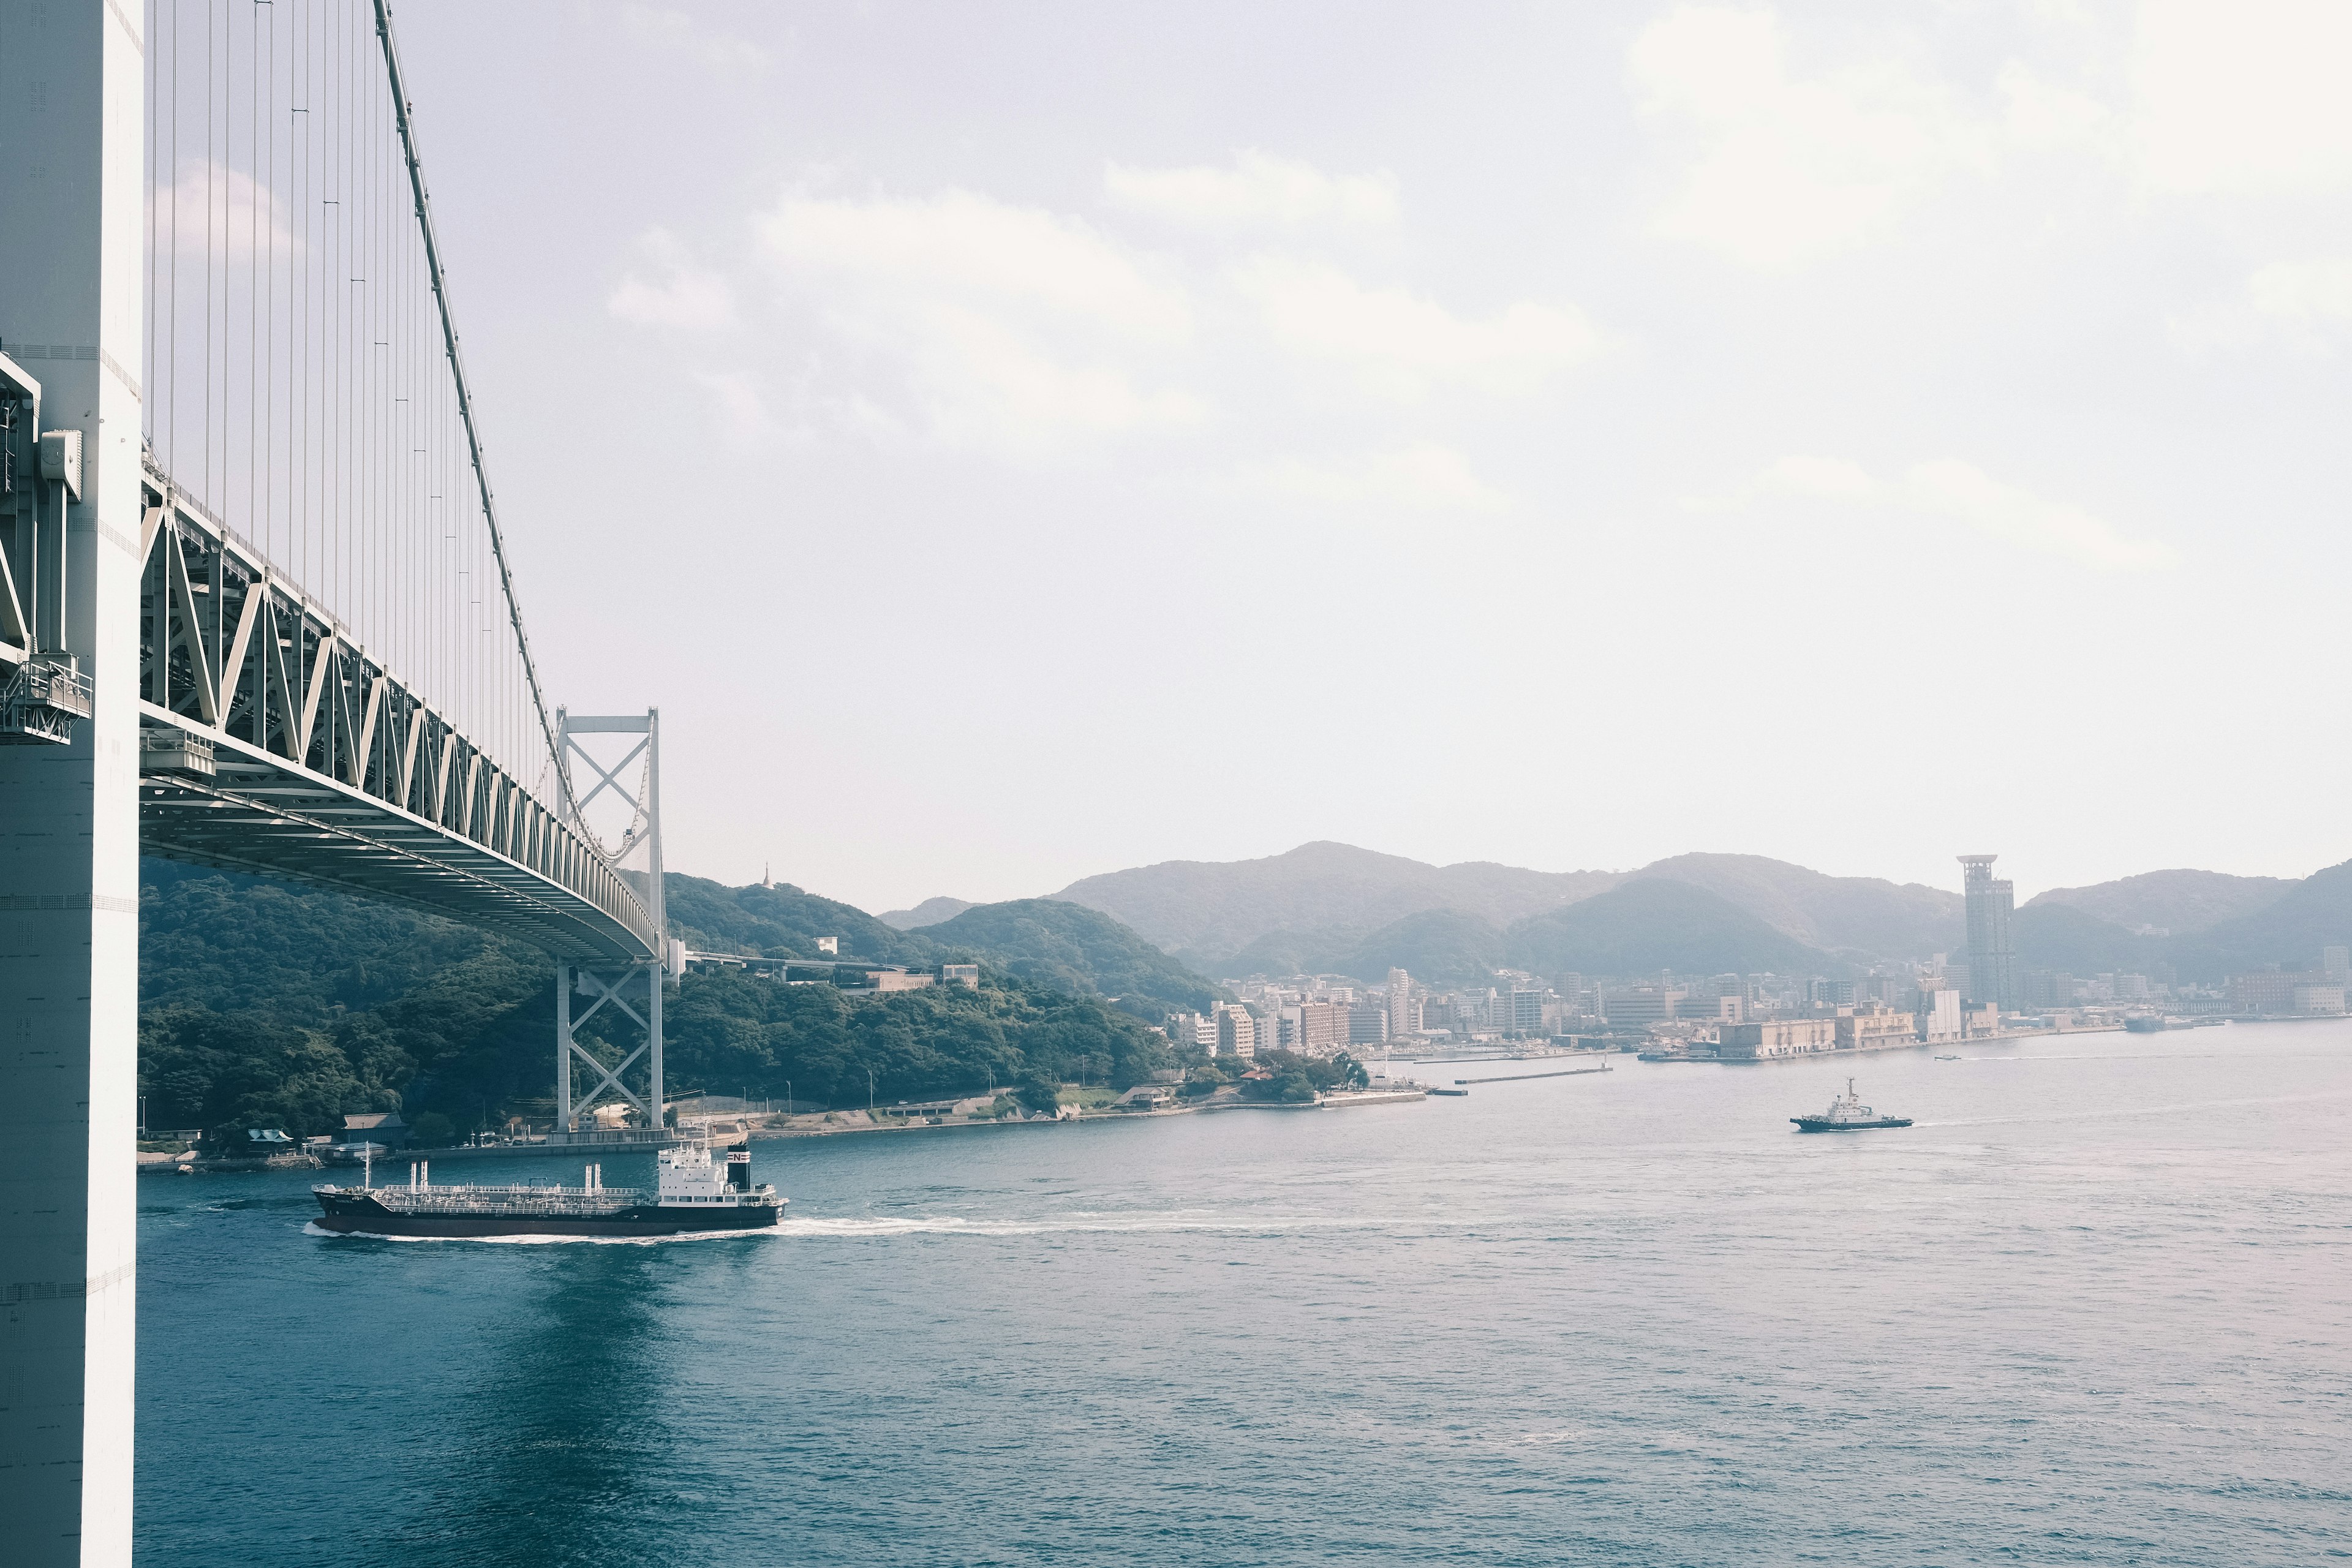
(1452, 1093)
(1847, 1113)
(2150, 1024)
(1946, 1060)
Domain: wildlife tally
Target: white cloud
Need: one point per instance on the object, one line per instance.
(1783, 167)
(1949, 488)
(686, 297)
(1421, 477)
(211, 207)
(1968, 494)
(2303, 305)
(1400, 346)
(1258, 190)
(2243, 97)
(1830, 478)
(1017, 330)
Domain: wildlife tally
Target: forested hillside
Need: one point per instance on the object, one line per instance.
(1076, 949)
(274, 1003)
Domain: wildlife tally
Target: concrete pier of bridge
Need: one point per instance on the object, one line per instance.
(72, 316)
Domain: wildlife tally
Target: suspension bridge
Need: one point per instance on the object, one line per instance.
(257, 611)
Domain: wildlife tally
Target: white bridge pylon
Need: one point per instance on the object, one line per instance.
(624, 794)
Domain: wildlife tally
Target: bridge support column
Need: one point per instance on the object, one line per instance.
(563, 1048)
(73, 119)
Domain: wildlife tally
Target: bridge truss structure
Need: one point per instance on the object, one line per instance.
(271, 742)
(256, 612)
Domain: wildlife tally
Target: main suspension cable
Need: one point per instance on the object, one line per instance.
(465, 396)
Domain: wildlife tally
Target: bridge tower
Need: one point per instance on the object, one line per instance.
(632, 989)
(72, 320)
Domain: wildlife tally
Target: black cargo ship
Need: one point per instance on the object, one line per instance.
(693, 1192)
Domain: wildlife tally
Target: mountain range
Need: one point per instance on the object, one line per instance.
(1325, 899)
(1327, 908)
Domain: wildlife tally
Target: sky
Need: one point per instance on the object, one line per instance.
(1010, 442)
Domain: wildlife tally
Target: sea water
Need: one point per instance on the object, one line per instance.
(2096, 1307)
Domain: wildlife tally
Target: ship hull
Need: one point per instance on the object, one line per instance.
(1819, 1124)
(365, 1217)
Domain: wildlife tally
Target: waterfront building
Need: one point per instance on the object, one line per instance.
(1639, 1004)
(1771, 1038)
(2269, 991)
(2336, 962)
(1526, 1010)
(1194, 1029)
(1992, 952)
(1939, 1018)
(383, 1127)
(1403, 1018)
(1367, 1024)
(1317, 1028)
(2265, 991)
(1872, 1029)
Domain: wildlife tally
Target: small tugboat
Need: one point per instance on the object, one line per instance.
(1847, 1113)
(693, 1192)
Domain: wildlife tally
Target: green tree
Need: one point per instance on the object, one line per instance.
(431, 1130)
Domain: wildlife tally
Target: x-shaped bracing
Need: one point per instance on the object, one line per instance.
(609, 1077)
(606, 779)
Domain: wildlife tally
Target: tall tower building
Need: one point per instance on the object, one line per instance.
(1993, 957)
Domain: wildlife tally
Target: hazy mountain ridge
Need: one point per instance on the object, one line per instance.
(1315, 907)
(1639, 927)
(930, 912)
(2173, 902)
(1323, 891)
(1866, 916)
(1649, 924)
(2290, 931)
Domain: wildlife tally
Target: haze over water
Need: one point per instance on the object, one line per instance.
(2093, 1308)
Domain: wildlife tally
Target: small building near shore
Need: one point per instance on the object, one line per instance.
(1877, 1029)
(1769, 1038)
(382, 1127)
